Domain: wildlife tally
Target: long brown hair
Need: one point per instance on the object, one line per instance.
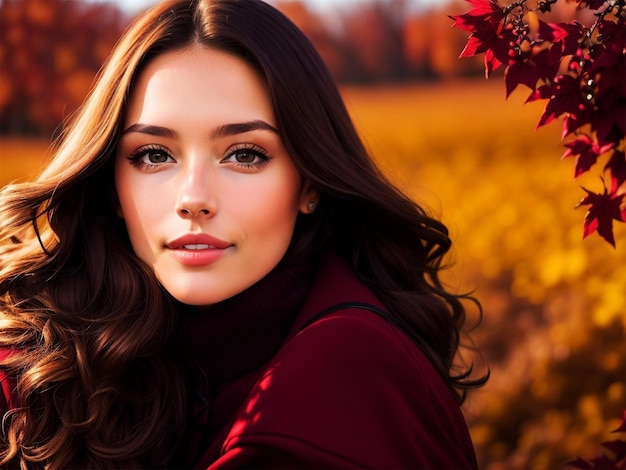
(88, 325)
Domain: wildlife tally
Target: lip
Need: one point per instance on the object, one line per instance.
(197, 239)
(210, 253)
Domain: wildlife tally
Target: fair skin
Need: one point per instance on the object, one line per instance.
(206, 188)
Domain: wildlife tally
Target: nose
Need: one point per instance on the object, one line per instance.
(196, 195)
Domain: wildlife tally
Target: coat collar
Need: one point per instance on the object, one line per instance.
(334, 283)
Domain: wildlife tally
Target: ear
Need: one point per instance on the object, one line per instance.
(309, 198)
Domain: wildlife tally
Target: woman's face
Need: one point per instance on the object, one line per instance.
(206, 188)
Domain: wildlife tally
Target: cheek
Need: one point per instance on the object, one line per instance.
(274, 211)
(139, 210)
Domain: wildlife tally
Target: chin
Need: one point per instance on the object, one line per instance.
(200, 297)
(197, 300)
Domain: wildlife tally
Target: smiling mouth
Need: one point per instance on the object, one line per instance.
(197, 242)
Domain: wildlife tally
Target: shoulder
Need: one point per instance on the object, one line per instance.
(358, 342)
(355, 351)
(353, 386)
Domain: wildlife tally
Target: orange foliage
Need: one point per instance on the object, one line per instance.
(50, 51)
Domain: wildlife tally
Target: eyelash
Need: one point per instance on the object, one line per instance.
(257, 152)
(136, 158)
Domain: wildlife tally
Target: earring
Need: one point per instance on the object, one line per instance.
(311, 206)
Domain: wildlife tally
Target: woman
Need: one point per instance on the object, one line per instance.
(212, 273)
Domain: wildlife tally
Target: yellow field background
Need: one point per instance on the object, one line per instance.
(553, 326)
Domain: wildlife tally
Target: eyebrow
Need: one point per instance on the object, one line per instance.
(157, 131)
(226, 130)
(221, 131)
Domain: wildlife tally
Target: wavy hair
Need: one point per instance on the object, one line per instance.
(89, 328)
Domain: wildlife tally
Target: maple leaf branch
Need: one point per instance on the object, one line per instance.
(563, 64)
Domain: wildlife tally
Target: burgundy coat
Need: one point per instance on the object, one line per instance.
(348, 390)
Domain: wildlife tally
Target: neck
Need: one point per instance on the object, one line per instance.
(236, 336)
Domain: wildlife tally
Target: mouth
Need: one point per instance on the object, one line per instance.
(197, 242)
(197, 250)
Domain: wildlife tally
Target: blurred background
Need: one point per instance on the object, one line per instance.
(553, 326)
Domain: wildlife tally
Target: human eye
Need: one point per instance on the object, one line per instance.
(247, 156)
(150, 157)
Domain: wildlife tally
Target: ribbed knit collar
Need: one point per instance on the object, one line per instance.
(240, 334)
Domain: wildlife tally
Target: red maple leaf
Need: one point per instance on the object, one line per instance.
(586, 152)
(607, 81)
(485, 22)
(483, 35)
(612, 35)
(487, 8)
(563, 95)
(573, 122)
(608, 75)
(609, 119)
(548, 32)
(547, 62)
(494, 58)
(616, 167)
(483, 11)
(567, 36)
(614, 460)
(493, 41)
(520, 72)
(603, 209)
(487, 36)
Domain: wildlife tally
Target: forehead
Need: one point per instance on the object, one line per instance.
(198, 78)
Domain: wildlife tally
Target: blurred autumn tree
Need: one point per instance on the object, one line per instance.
(383, 41)
(50, 51)
(373, 43)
